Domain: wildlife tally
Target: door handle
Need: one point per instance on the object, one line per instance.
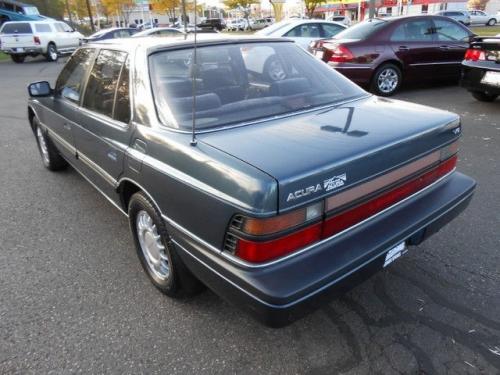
(67, 126)
(404, 48)
(444, 47)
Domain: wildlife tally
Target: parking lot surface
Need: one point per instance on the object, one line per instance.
(73, 296)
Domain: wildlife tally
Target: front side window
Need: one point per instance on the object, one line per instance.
(101, 85)
(309, 30)
(59, 27)
(449, 32)
(70, 81)
(413, 31)
(242, 82)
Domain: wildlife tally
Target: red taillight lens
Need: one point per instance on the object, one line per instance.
(258, 252)
(341, 54)
(344, 220)
(474, 55)
(37, 40)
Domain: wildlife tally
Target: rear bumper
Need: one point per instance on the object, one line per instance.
(360, 74)
(25, 50)
(471, 80)
(282, 292)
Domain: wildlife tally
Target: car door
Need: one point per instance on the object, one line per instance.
(63, 113)
(72, 36)
(413, 43)
(103, 132)
(304, 34)
(452, 40)
(62, 40)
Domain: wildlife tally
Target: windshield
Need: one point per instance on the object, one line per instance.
(31, 11)
(99, 33)
(362, 30)
(242, 82)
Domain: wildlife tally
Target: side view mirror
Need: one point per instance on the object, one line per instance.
(39, 89)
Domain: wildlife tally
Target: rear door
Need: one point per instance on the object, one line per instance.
(452, 40)
(413, 43)
(103, 132)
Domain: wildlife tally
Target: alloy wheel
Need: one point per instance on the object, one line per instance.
(43, 146)
(387, 80)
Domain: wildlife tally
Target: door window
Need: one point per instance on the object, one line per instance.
(101, 87)
(447, 31)
(122, 102)
(59, 27)
(309, 30)
(413, 31)
(70, 81)
(42, 28)
(330, 30)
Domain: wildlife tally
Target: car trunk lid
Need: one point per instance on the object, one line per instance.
(320, 153)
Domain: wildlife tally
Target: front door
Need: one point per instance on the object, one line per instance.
(103, 132)
(452, 40)
(413, 43)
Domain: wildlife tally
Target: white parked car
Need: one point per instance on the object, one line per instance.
(237, 24)
(160, 31)
(50, 38)
(261, 23)
(478, 17)
(341, 19)
(303, 31)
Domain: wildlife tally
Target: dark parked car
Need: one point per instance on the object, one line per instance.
(481, 69)
(213, 23)
(290, 190)
(112, 33)
(382, 53)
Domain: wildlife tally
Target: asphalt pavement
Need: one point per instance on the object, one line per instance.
(73, 296)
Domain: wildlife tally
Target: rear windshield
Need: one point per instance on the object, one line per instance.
(241, 83)
(16, 28)
(362, 30)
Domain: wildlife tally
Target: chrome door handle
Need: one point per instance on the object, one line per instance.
(67, 126)
(404, 48)
(444, 47)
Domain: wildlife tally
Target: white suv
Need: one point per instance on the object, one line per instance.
(32, 38)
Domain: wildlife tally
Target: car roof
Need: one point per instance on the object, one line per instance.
(151, 43)
(41, 20)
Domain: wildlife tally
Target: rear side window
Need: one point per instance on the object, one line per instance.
(17, 28)
(330, 30)
(103, 80)
(413, 31)
(42, 28)
(70, 81)
(122, 102)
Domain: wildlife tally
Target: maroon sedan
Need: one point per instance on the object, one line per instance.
(382, 53)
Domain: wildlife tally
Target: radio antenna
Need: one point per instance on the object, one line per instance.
(194, 69)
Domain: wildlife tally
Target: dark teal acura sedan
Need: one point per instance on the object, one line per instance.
(248, 166)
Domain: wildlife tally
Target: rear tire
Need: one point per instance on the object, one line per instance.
(51, 158)
(52, 54)
(156, 251)
(483, 97)
(386, 80)
(18, 59)
(491, 22)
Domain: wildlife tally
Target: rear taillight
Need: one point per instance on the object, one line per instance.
(259, 240)
(341, 54)
(474, 55)
(37, 40)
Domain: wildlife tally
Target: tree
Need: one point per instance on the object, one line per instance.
(50, 8)
(477, 4)
(311, 6)
(122, 8)
(166, 6)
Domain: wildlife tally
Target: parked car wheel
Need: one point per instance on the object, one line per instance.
(52, 54)
(51, 158)
(155, 250)
(386, 80)
(492, 22)
(483, 97)
(274, 70)
(18, 59)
